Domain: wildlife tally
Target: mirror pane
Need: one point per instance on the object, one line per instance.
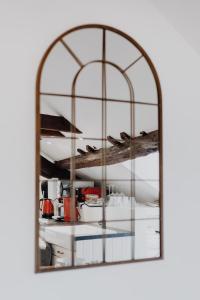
(88, 160)
(117, 86)
(56, 149)
(146, 118)
(147, 238)
(88, 242)
(126, 52)
(118, 119)
(89, 200)
(58, 71)
(143, 82)
(55, 246)
(119, 243)
(147, 192)
(56, 106)
(120, 200)
(86, 44)
(89, 81)
(147, 167)
(89, 118)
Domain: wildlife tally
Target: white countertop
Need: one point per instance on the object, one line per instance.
(62, 235)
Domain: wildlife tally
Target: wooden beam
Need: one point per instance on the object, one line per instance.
(82, 152)
(143, 133)
(50, 133)
(130, 149)
(90, 149)
(113, 141)
(125, 136)
(50, 170)
(57, 123)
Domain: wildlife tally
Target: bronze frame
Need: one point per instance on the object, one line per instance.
(38, 269)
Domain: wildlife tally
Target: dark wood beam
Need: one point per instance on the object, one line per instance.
(90, 149)
(81, 151)
(57, 123)
(113, 141)
(50, 170)
(125, 136)
(50, 133)
(143, 133)
(130, 149)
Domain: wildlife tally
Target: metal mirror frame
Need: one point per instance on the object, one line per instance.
(37, 137)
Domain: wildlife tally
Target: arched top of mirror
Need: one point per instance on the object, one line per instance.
(77, 55)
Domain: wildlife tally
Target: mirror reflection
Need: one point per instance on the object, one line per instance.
(99, 177)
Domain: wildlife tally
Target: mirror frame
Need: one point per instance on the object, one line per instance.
(37, 148)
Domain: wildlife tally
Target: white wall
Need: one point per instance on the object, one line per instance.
(184, 16)
(26, 29)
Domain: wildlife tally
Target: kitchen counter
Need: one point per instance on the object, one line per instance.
(88, 243)
(125, 240)
(62, 235)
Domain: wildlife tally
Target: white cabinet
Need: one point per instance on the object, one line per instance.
(60, 256)
(88, 244)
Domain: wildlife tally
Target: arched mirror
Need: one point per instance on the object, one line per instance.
(98, 164)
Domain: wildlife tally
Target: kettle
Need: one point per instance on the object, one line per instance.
(46, 205)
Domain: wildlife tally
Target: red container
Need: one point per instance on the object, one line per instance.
(91, 190)
(47, 208)
(67, 213)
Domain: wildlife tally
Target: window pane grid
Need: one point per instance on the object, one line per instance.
(105, 179)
